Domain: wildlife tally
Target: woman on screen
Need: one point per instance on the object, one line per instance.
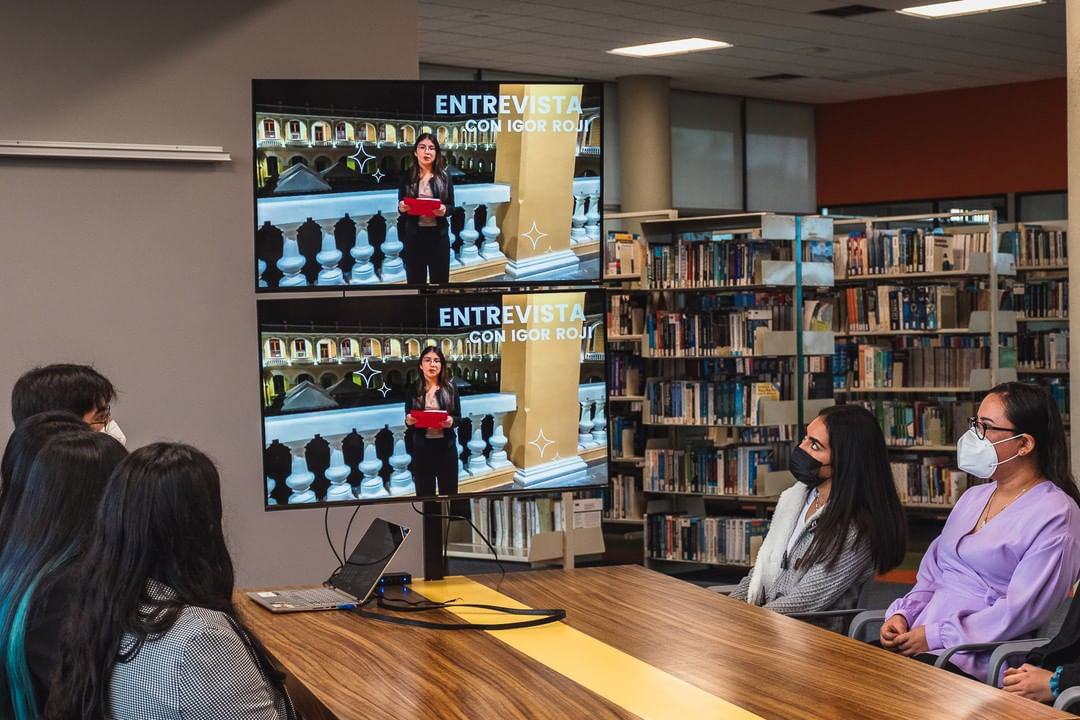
(1010, 549)
(427, 237)
(434, 449)
(838, 525)
(153, 631)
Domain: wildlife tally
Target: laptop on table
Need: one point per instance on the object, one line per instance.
(353, 584)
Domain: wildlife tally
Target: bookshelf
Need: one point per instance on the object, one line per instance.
(925, 325)
(714, 348)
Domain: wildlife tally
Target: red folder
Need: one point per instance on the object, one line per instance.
(422, 206)
(428, 418)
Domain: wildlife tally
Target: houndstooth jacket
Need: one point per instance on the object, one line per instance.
(777, 584)
(200, 669)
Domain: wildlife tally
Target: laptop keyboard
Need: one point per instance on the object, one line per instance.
(318, 596)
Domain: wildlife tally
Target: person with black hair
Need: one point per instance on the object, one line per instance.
(434, 450)
(1010, 548)
(154, 632)
(838, 525)
(426, 238)
(22, 447)
(78, 389)
(62, 485)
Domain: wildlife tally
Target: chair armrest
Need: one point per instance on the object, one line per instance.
(1004, 651)
(862, 620)
(722, 589)
(973, 647)
(1067, 697)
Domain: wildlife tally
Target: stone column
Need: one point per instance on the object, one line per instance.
(300, 479)
(644, 142)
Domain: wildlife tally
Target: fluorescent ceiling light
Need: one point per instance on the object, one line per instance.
(966, 7)
(671, 47)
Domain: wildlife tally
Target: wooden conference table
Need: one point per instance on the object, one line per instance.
(635, 643)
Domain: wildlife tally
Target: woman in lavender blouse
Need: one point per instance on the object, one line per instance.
(1010, 549)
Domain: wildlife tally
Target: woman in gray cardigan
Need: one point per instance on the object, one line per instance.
(836, 527)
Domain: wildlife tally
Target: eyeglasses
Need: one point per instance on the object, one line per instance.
(431, 361)
(981, 427)
(102, 418)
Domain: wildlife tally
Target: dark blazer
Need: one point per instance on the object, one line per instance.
(1063, 650)
(443, 189)
(449, 436)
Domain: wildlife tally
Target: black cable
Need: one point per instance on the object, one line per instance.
(543, 616)
(326, 527)
(502, 570)
(348, 528)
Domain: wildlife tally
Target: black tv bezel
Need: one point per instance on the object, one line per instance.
(478, 284)
(359, 293)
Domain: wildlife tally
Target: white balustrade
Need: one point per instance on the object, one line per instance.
(469, 253)
(338, 472)
(476, 408)
(329, 257)
(498, 459)
(271, 484)
(592, 217)
(300, 479)
(262, 269)
(401, 480)
(288, 213)
(599, 423)
(372, 485)
(577, 220)
(591, 396)
(490, 249)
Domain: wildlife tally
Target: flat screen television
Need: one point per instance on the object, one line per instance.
(341, 375)
(375, 183)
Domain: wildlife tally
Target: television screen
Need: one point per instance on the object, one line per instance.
(361, 182)
(406, 396)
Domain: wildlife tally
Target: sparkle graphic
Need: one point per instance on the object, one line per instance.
(361, 155)
(541, 443)
(367, 373)
(384, 389)
(534, 235)
(378, 175)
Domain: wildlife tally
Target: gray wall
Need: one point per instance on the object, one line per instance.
(145, 269)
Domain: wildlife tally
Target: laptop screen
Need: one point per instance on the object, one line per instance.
(369, 559)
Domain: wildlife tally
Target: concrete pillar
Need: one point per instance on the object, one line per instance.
(1072, 45)
(644, 142)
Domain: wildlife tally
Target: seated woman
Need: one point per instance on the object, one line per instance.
(48, 524)
(1009, 550)
(838, 525)
(154, 633)
(1052, 668)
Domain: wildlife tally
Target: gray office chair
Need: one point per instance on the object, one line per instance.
(1002, 651)
(1067, 698)
(864, 593)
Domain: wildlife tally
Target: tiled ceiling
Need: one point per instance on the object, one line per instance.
(842, 59)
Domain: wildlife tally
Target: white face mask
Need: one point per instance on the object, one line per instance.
(113, 430)
(977, 456)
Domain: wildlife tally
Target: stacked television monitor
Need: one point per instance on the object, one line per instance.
(349, 298)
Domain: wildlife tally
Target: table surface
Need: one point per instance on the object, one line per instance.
(768, 664)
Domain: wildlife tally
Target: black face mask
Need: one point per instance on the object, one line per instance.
(805, 468)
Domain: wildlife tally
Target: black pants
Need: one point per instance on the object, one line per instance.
(434, 459)
(427, 257)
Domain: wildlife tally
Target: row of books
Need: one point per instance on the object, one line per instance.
(1043, 350)
(625, 501)
(510, 522)
(708, 470)
(1059, 390)
(625, 317)
(887, 308)
(625, 372)
(716, 332)
(695, 264)
(735, 402)
(911, 361)
(930, 480)
(1041, 247)
(624, 253)
(624, 433)
(905, 250)
(1042, 298)
(915, 423)
(711, 540)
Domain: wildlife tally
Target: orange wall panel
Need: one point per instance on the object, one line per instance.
(975, 141)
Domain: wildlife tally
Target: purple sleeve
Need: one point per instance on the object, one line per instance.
(1039, 584)
(912, 604)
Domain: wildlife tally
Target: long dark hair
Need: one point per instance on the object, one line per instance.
(63, 486)
(863, 496)
(439, 179)
(22, 447)
(446, 389)
(1032, 411)
(162, 523)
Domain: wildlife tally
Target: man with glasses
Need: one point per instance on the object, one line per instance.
(79, 389)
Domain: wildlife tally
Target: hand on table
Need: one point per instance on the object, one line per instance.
(1030, 682)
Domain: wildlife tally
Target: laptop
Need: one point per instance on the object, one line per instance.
(353, 584)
